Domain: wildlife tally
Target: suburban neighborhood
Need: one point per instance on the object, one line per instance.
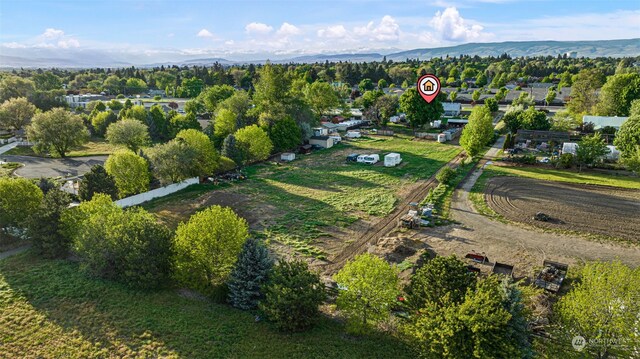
(460, 204)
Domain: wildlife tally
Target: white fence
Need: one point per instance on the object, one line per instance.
(156, 193)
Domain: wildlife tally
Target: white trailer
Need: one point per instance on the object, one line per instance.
(287, 156)
(354, 134)
(392, 159)
(368, 159)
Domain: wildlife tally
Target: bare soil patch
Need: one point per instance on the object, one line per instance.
(599, 210)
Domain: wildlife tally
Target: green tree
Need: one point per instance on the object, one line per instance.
(603, 308)
(173, 161)
(128, 246)
(213, 95)
(617, 94)
(97, 180)
(115, 105)
(478, 132)
(225, 123)
(532, 119)
(157, 123)
(492, 104)
(583, 91)
(481, 80)
(206, 154)
(524, 99)
(285, 134)
(130, 133)
(250, 273)
(272, 91)
(446, 175)
(134, 86)
(240, 104)
(628, 137)
(591, 149)
(365, 85)
(44, 226)
(632, 160)
(130, 171)
(15, 86)
(475, 96)
(232, 149)
(292, 296)
(370, 288)
(513, 119)
(418, 111)
(440, 277)
(321, 97)
(382, 84)
(58, 130)
(207, 247)
(16, 113)
(453, 95)
(47, 81)
(382, 108)
(551, 95)
(101, 121)
(179, 123)
(19, 198)
(256, 142)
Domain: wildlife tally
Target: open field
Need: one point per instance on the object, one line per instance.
(590, 209)
(48, 309)
(95, 147)
(319, 203)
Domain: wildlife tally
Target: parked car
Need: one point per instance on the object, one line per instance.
(545, 160)
(353, 157)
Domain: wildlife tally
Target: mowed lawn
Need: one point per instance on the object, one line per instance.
(322, 190)
(48, 309)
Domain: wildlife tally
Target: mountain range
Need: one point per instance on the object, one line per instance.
(78, 58)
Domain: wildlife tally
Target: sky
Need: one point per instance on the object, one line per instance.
(224, 28)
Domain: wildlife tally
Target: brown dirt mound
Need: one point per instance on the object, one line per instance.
(600, 210)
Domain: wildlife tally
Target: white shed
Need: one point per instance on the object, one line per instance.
(392, 159)
(287, 156)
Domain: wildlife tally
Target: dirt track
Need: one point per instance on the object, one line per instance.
(590, 209)
(388, 224)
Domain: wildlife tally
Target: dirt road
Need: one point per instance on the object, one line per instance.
(523, 247)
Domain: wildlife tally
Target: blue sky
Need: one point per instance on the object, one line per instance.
(281, 27)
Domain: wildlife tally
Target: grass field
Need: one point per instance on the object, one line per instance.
(48, 309)
(95, 147)
(301, 201)
(6, 169)
(550, 174)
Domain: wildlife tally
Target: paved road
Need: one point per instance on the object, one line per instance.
(36, 167)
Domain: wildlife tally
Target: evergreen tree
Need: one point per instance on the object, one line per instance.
(231, 149)
(249, 275)
(97, 180)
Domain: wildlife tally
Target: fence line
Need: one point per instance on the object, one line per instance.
(156, 193)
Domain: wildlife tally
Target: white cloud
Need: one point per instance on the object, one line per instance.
(229, 42)
(14, 45)
(288, 30)
(387, 30)
(65, 44)
(204, 33)
(333, 32)
(452, 27)
(51, 33)
(258, 28)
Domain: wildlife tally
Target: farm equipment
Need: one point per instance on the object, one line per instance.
(551, 276)
(502, 268)
(542, 217)
(478, 258)
(411, 220)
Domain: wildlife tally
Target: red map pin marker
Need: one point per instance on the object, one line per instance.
(429, 87)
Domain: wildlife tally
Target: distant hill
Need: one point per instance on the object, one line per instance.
(600, 48)
(30, 57)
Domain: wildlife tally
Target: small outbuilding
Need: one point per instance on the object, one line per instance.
(392, 159)
(287, 157)
(322, 141)
(354, 134)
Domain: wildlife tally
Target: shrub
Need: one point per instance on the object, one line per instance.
(566, 160)
(370, 289)
(44, 226)
(445, 175)
(19, 198)
(97, 180)
(439, 277)
(128, 246)
(207, 247)
(292, 296)
(249, 275)
(225, 164)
